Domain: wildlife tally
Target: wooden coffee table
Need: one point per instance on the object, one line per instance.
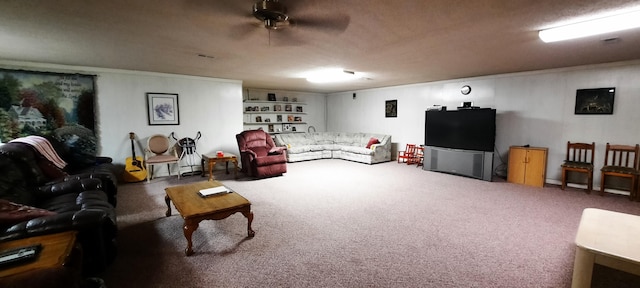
(212, 158)
(59, 261)
(607, 238)
(194, 208)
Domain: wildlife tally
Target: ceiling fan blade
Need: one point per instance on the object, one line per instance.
(335, 23)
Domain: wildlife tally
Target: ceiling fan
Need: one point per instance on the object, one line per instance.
(274, 15)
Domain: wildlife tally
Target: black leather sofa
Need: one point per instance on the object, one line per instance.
(81, 199)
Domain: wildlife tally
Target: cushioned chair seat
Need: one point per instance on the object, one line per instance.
(578, 165)
(619, 169)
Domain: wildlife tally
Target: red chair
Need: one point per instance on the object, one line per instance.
(259, 155)
(409, 155)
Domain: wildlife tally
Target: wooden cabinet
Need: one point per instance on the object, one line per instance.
(527, 165)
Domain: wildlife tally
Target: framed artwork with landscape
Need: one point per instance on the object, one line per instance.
(45, 103)
(162, 109)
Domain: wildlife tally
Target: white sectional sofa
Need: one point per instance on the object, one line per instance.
(339, 145)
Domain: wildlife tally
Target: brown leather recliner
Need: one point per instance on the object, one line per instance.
(259, 155)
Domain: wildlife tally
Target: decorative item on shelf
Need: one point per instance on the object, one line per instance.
(285, 99)
(297, 119)
(254, 99)
(289, 118)
(255, 108)
(248, 109)
(277, 129)
(277, 107)
(270, 127)
(298, 108)
(258, 118)
(293, 129)
(286, 127)
(287, 108)
(294, 100)
(267, 120)
(272, 96)
(264, 108)
(279, 118)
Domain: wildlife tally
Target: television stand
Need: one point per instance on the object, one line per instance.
(469, 163)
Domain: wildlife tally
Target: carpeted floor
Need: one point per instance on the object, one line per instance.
(335, 223)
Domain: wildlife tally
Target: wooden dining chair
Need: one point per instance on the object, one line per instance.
(621, 161)
(408, 155)
(579, 159)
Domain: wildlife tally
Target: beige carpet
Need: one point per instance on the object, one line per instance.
(335, 223)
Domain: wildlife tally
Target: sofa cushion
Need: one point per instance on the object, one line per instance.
(13, 213)
(357, 150)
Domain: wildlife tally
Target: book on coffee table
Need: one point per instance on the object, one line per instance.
(214, 191)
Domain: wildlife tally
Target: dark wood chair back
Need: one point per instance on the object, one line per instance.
(579, 159)
(621, 161)
(580, 152)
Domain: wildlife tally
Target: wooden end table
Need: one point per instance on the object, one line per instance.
(212, 158)
(194, 208)
(607, 238)
(59, 255)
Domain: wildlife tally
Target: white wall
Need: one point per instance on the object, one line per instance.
(211, 106)
(535, 108)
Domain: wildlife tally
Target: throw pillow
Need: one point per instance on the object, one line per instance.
(372, 141)
(13, 213)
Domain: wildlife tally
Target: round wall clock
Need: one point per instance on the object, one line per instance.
(465, 90)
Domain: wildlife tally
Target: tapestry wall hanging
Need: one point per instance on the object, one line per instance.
(38, 103)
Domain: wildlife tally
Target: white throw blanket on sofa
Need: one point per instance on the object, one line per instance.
(44, 147)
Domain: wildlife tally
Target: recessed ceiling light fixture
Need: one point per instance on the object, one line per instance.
(332, 75)
(593, 27)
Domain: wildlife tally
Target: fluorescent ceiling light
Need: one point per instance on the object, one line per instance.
(592, 27)
(332, 75)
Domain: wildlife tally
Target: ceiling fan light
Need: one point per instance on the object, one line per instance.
(593, 27)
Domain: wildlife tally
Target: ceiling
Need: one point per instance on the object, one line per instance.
(391, 42)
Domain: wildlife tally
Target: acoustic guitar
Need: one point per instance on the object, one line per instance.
(134, 170)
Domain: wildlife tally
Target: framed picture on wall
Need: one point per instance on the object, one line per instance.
(162, 109)
(595, 101)
(391, 108)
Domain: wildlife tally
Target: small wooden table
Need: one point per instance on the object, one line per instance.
(212, 158)
(607, 238)
(194, 208)
(59, 256)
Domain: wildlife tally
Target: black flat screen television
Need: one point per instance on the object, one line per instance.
(468, 129)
